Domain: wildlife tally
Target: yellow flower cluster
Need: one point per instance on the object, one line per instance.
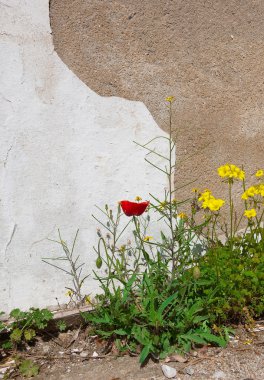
(210, 202)
(182, 215)
(253, 190)
(250, 213)
(231, 171)
(259, 173)
(148, 238)
(170, 99)
(138, 198)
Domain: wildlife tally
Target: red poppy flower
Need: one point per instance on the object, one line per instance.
(133, 208)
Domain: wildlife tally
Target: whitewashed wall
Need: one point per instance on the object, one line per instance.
(63, 149)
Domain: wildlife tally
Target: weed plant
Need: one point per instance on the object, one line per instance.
(184, 287)
(23, 327)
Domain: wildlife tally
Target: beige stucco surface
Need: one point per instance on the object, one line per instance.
(208, 54)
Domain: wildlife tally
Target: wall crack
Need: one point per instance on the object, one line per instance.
(7, 155)
(11, 238)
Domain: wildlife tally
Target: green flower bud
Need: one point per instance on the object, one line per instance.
(196, 273)
(98, 262)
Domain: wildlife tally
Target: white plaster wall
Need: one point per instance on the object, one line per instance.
(63, 149)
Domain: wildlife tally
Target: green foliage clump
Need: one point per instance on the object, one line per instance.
(235, 278)
(24, 326)
(28, 368)
(183, 288)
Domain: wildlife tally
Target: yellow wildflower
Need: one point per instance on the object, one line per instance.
(207, 194)
(170, 99)
(259, 173)
(182, 215)
(215, 204)
(261, 189)
(122, 248)
(148, 238)
(88, 300)
(210, 202)
(69, 293)
(248, 341)
(253, 190)
(250, 213)
(231, 171)
(138, 199)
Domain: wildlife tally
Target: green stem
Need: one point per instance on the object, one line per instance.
(231, 213)
(171, 179)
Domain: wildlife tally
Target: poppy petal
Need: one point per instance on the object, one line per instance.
(133, 208)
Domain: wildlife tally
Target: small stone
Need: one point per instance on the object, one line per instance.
(219, 375)
(95, 354)
(46, 350)
(84, 354)
(189, 371)
(3, 370)
(75, 350)
(168, 371)
(176, 358)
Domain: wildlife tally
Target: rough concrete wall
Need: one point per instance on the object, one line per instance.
(209, 54)
(63, 149)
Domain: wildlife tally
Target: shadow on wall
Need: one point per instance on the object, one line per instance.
(209, 55)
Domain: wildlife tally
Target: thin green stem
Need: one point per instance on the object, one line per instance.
(231, 207)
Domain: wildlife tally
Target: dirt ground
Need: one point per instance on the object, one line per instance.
(71, 356)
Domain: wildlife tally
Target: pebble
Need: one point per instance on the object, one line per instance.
(176, 358)
(95, 354)
(75, 350)
(46, 349)
(168, 371)
(84, 354)
(189, 371)
(219, 375)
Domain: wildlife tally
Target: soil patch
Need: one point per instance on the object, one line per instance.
(73, 355)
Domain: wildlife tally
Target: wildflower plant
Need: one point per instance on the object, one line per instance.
(72, 267)
(144, 304)
(170, 290)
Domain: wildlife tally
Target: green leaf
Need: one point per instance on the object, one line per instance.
(17, 314)
(196, 338)
(145, 353)
(214, 339)
(61, 325)
(29, 334)
(16, 335)
(120, 332)
(128, 287)
(200, 318)
(28, 368)
(7, 345)
(166, 303)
